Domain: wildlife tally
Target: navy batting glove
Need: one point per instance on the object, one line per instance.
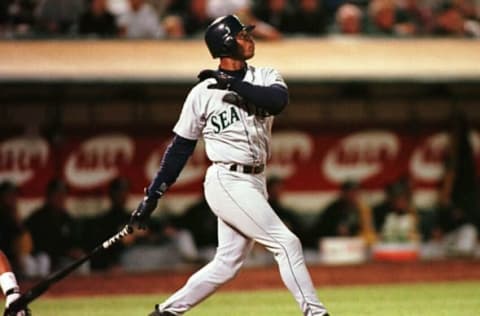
(141, 215)
(224, 81)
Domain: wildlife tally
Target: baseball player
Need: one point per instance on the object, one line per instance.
(232, 108)
(9, 285)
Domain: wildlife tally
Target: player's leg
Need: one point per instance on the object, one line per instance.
(251, 214)
(231, 252)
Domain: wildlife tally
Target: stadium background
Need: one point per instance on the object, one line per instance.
(369, 109)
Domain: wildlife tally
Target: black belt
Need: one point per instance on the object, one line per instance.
(247, 169)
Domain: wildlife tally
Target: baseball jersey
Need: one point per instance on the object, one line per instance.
(231, 134)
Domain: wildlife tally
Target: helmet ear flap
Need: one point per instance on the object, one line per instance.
(229, 44)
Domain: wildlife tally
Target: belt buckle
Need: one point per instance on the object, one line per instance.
(257, 168)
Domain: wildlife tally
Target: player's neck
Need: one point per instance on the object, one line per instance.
(231, 64)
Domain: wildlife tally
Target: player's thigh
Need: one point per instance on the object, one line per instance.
(232, 243)
(244, 207)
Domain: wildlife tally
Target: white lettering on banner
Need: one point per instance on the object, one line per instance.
(427, 160)
(20, 156)
(193, 171)
(360, 156)
(96, 161)
(288, 148)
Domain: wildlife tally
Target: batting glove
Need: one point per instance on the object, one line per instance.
(224, 81)
(141, 215)
(12, 297)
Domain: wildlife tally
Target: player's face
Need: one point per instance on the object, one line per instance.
(246, 45)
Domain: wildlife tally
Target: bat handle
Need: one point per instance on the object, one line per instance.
(127, 230)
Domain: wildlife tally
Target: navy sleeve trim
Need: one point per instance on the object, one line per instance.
(272, 99)
(173, 161)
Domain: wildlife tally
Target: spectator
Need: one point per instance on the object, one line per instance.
(399, 189)
(201, 223)
(383, 20)
(453, 233)
(456, 20)
(457, 213)
(195, 18)
(53, 229)
(242, 8)
(140, 21)
(288, 216)
(346, 216)
(97, 21)
(172, 13)
(58, 17)
(277, 13)
(399, 222)
(416, 15)
(348, 20)
(15, 239)
(310, 18)
(111, 222)
(18, 17)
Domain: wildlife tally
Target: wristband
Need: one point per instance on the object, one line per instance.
(8, 282)
(14, 290)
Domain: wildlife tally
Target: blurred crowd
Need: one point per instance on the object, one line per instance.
(274, 19)
(51, 238)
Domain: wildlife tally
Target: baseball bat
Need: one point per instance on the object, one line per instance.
(41, 287)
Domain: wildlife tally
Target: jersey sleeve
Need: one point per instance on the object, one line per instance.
(192, 120)
(273, 77)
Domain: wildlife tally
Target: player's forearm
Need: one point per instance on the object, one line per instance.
(272, 99)
(173, 161)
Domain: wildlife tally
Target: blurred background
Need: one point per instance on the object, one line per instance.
(376, 158)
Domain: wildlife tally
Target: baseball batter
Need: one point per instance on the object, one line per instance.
(232, 108)
(9, 286)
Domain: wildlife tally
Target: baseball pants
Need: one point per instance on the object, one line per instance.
(244, 217)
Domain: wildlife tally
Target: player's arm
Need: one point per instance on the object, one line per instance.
(174, 159)
(272, 98)
(9, 284)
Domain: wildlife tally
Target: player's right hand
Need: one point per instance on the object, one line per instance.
(224, 81)
(141, 215)
(9, 300)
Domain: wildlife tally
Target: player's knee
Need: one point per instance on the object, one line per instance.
(292, 242)
(228, 266)
(290, 246)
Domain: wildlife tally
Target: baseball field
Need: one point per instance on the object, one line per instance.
(387, 289)
(428, 299)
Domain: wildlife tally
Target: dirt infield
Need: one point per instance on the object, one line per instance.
(267, 278)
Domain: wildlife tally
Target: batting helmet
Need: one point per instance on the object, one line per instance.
(220, 35)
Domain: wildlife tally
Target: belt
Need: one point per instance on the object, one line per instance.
(247, 169)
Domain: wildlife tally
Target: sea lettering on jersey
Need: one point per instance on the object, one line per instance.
(224, 119)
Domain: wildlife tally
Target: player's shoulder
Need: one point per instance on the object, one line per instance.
(202, 85)
(262, 69)
(200, 88)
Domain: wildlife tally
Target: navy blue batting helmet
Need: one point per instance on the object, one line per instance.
(220, 35)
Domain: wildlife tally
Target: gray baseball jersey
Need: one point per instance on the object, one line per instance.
(231, 134)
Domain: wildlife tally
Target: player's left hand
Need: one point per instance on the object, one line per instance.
(141, 215)
(9, 300)
(224, 81)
